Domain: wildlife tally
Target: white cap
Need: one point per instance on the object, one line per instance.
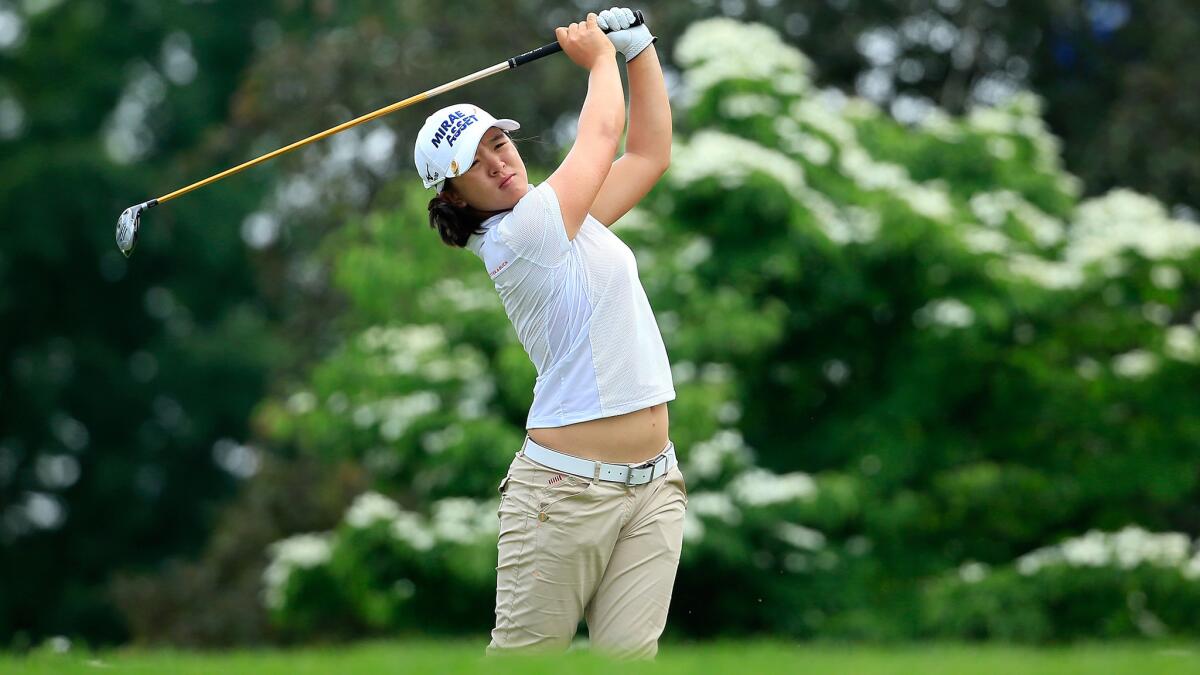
(446, 144)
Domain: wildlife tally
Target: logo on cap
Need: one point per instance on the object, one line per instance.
(452, 127)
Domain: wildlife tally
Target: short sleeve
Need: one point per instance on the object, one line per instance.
(535, 230)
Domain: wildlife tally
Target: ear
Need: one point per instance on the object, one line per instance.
(451, 196)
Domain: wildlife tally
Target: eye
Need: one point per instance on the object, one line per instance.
(500, 145)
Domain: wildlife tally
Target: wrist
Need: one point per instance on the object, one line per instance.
(603, 61)
(648, 48)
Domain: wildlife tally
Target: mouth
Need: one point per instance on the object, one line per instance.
(506, 180)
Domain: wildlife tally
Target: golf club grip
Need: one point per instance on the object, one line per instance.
(554, 47)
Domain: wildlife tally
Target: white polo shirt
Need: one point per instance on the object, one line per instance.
(580, 311)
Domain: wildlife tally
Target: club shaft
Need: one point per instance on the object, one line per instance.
(522, 59)
(441, 89)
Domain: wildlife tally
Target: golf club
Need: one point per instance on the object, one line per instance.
(130, 219)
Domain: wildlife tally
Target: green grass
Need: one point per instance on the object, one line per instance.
(744, 658)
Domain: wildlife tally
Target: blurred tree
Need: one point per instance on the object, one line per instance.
(117, 377)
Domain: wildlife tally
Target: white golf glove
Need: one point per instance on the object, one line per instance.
(629, 41)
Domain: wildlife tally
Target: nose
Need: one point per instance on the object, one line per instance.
(495, 165)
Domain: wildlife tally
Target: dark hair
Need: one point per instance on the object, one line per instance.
(455, 225)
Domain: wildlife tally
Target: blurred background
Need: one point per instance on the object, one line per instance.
(952, 394)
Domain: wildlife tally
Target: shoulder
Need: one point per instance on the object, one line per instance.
(534, 228)
(540, 198)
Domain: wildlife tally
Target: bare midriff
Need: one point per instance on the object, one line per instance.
(632, 437)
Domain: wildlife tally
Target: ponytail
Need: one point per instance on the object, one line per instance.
(455, 225)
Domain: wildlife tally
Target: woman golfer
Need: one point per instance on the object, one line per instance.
(591, 513)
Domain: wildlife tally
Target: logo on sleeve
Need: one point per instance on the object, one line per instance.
(498, 269)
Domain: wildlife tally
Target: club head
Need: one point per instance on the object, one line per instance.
(128, 224)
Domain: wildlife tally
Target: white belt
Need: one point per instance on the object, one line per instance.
(628, 474)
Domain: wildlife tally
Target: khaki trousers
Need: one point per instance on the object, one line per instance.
(571, 547)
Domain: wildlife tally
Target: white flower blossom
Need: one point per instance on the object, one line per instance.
(1019, 116)
(301, 402)
(369, 508)
(1156, 313)
(463, 521)
(1135, 364)
(697, 250)
(705, 459)
(715, 505)
(759, 487)
(715, 50)
(405, 339)
(693, 527)
(1182, 344)
(947, 312)
(395, 414)
(1088, 368)
(940, 124)
(1049, 274)
(841, 226)
(1001, 148)
(1191, 569)
(637, 218)
(302, 551)
(435, 442)
(730, 159)
(683, 372)
(973, 571)
(1125, 549)
(411, 529)
(984, 241)
(817, 113)
(739, 106)
(795, 141)
(1166, 276)
(472, 403)
(994, 209)
(1123, 219)
(800, 536)
(871, 174)
(454, 292)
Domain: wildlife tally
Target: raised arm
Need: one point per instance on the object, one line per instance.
(648, 147)
(577, 180)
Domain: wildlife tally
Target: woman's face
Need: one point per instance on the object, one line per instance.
(496, 181)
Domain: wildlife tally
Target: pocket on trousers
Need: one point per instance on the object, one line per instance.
(564, 488)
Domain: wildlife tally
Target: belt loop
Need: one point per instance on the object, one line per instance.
(596, 473)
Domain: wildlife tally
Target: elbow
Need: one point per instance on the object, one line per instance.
(664, 163)
(660, 163)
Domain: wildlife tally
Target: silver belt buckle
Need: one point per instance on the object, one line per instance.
(648, 464)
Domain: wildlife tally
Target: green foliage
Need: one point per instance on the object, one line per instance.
(1093, 587)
